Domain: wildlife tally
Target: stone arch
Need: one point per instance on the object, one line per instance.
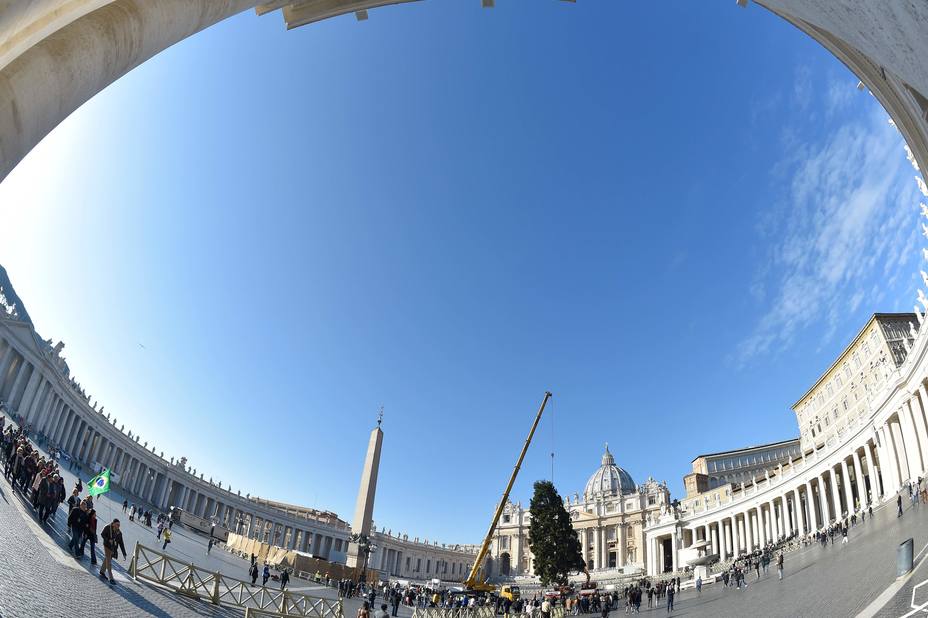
(57, 54)
(505, 564)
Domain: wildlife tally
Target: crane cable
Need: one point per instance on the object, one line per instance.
(551, 422)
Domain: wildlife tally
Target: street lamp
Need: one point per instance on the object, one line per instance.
(365, 547)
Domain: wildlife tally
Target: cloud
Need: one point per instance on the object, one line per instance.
(838, 95)
(802, 87)
(845, 222)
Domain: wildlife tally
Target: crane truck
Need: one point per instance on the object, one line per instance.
(474, 584)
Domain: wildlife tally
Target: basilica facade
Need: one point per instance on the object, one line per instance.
(609, 518)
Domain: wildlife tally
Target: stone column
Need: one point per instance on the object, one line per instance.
(810, 504)
(872, 471)
(721, 541)
(912, 451)
(900, 448)
(915, 409)
(5, 363)
(786, 528)
(799, 523)
(29, 393)
(735, 541)
(673, 548)
(835, 495)
(859, 477)
(17, 382)
(846, 481)
(596, 553)
(621, 534)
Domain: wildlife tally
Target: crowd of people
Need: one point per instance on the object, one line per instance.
(39, 481)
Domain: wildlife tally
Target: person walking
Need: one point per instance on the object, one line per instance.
(166, 534)
(112, 543)
(844, 534)
(780, 565)
(90, 534)
(253, 571)
(284, 578)
(699, 586)
(899, 505)
(77, 521)
(266, 575)
(125, 505)
(209, 546)
(382, 612)
(670, 595)
(160, 530)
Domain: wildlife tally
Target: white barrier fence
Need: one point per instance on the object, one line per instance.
(196, 582)
(479, 612)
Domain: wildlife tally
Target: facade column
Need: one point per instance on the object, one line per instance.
(28, 394)
(735, 541)
(595, 533)
(912, 450)
(861, 484)
(799, 523)
(673, 548)
(835, 495)
(775, 525)
(622, 535)
(787, 528)
(877, 489)
(45, 414)
(810, 504)
(42, 397)
(846, 481)
(20, 376)
(915, 409)
(35, 399)
(5, 363)
(722, 545)
(899, 444)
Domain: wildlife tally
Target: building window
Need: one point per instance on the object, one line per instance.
(835, 413)
(652, 500)
(506, 518)
(504, 542)
(838, 380)
(428, 565)
(847, 371)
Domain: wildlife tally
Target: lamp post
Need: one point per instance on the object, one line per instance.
(365, 547)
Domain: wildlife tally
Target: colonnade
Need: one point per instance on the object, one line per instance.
(811, 493)
(34, 386)
(600, 542)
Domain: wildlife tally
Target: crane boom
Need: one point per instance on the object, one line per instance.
(471, 581)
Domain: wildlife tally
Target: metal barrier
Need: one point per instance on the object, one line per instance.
(480, 612)
(196, 582)
(463, 612)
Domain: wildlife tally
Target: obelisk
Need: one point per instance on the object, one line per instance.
(364, 507)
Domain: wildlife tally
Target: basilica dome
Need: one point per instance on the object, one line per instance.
(608, 480)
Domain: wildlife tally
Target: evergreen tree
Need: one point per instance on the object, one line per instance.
(551, 537)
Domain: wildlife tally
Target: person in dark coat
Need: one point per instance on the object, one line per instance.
(77, 522)
(112, 543)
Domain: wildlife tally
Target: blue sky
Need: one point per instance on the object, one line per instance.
(672, 216)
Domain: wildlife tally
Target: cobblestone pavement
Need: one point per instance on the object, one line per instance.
(819, 582)
(42, 579)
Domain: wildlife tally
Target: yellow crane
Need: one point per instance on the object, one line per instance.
(472, 583)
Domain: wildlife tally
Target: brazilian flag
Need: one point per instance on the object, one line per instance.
(99, 484)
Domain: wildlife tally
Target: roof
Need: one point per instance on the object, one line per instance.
(860, 334)
(749, 448)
